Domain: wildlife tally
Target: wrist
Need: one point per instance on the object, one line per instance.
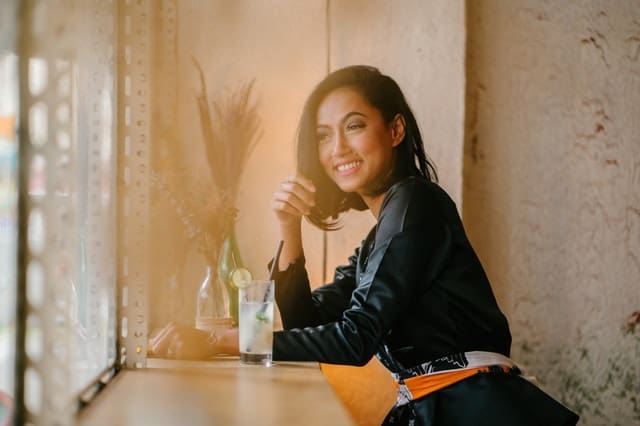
(212, 343)
(223, 341)
(291, 228)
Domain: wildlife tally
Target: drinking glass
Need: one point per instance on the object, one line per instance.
(256, 322)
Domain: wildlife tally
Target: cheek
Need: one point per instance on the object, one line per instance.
(324, 157)
(372, 148)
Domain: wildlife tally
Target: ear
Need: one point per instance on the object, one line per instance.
(398, 129)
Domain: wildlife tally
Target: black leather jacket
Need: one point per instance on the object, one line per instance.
(414, 291)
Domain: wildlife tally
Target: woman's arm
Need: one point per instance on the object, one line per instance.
(301, 307)
(181, 341)
(294, 198)
(410, 236)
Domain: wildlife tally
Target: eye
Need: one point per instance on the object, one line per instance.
(355, 125)
(322, 137)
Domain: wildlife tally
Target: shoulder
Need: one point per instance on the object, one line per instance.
(415, 201)
(417, 192)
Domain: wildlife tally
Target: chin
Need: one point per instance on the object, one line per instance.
(346, 186)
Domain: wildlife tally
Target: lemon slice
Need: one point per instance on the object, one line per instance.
(240, 277)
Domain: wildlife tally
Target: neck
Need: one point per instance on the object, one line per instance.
(374, 202)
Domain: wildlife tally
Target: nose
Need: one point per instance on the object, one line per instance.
(340, 145)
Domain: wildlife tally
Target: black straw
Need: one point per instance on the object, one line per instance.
(276, 260)
(263, 308)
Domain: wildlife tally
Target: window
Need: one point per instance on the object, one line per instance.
(62, 81)
(8, 199)
(68, 147)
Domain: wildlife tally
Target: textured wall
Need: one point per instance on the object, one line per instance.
(551, 190)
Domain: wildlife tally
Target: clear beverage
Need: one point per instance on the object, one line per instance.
(256, 323)
(256, 332)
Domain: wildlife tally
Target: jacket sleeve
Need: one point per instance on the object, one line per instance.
(408, 233)
(301, 307)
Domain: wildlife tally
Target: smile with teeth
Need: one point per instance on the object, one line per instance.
(347, 167)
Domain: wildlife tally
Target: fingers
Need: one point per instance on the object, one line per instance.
(162, 332)
(290, 203)
(176, 347)
(172, 344)
(302, 181)
(180, 342)
(158, 337)
(162, 341)
(296, 196)
(301, 192)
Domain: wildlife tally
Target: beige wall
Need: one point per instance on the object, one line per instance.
(283, 45)
(551, 190)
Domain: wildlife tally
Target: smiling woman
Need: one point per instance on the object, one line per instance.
(414, 294)
(352, 109)
(356, 145)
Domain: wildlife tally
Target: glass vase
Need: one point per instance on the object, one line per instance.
(212, 309)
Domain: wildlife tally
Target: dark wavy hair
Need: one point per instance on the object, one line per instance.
(384, 94)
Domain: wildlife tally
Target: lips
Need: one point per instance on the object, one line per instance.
(347, 168)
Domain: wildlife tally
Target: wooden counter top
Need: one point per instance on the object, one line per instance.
(217, 392)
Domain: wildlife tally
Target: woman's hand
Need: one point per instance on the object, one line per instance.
(179, 341)
(294, 198)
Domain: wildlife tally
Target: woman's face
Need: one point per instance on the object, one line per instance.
(355, 145)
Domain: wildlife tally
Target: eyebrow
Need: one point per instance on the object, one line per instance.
(345, 118)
